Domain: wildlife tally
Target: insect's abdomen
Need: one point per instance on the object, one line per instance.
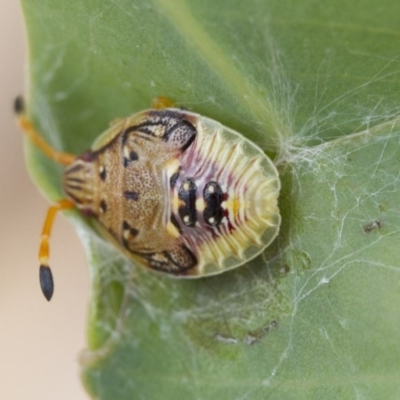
(225, 198)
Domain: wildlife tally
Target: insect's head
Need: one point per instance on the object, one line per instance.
(79, 185)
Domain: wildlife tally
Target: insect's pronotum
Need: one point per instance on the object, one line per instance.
(175, 191)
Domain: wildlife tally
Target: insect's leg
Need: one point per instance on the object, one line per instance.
(45, 275)
(27, 127)
(162, 102)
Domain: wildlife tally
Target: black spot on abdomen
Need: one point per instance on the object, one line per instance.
(187, 194)
(213, 198)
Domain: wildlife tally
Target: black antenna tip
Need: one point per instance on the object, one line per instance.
(46, 281)
(19, 106)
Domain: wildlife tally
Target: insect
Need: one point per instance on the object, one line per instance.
(175, 191)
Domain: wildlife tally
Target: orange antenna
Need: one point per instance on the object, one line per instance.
(45, 275)
(26, 126)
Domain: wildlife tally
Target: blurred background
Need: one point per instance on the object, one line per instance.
(39, 341)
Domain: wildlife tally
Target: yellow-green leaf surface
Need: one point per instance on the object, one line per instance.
(316, 84)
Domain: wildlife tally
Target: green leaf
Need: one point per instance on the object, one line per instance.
(316, 84)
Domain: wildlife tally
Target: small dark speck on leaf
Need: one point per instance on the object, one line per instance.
(284, 269)
(250, 338)
(254, 337)
(372, 226)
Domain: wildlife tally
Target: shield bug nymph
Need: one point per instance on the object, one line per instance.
(175, 191)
